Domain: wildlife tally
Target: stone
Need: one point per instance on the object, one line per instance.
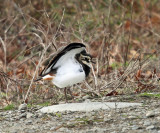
(22, 115)
(135, 127)
(28, 130)
(40, 115)
(98, 130)
(106, 118)
(28, 122)
(147, 123)
(124, 129)
(132, 117)
(85, 97)
(150, 127)
(52, 128)
(29, 115)
(87, 101)
(22, 111)
(86, 106)
(141, 122)
(22, 106)
(158, 117)
(62, 129)
(150, 114)
(15, 131)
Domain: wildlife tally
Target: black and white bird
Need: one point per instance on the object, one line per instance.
(70, 66)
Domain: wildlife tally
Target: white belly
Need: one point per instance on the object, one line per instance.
(69, 74)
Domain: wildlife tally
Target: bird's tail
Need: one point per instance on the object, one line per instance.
(46, 77)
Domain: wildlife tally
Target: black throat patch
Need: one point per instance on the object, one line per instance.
(85, 67)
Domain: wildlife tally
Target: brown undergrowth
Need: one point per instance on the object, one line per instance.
(122, 35)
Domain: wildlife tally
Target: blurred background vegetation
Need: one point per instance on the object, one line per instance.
(116, 32)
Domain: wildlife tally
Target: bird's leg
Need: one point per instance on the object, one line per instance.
(71, 94)
(65, 93)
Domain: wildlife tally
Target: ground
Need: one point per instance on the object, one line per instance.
(139, 119)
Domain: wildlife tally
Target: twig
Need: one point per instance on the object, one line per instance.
(45, 49)
(129, 36)
(5, 53)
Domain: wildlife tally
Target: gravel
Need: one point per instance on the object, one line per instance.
(140, 119)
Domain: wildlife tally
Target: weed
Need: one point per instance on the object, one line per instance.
(45, 104)
(58, 115)
(150, 95)
(9, 107)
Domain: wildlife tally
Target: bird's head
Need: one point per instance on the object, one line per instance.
(85, 58)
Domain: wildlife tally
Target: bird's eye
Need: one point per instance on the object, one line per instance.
(87, 60)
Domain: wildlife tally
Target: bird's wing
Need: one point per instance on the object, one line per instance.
(69, 51)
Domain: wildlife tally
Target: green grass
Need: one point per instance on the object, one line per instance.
(29, 105)
(153, 57)
(116, 65)
(9, 107)
(45, 104)
(40, 104)
(58, 115)
(150, 95)
(88, 121)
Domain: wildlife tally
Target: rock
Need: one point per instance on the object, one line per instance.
(141, 122)
(150, 114)
(62, 129)
(28, 130)
(150, 127)
(135, 127)
(22, 106)
(85, 97)
(36, 115)
(52, 128)
(104, 98)
(147, 123)
(86, 106)
(132, 117)
(114, 132)
(28, 122)
(40, 115)
(113, 98)
(97, 130)
(158, 117)
(87, 101)
(29, 115)
(124, 129)
(22, 115)
(15, 131)
(106, 118)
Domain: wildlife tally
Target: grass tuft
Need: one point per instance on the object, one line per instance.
(150, 95)
(9, 107)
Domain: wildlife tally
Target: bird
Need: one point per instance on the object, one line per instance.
(70, 66)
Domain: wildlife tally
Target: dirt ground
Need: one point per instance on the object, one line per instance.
(139, 119)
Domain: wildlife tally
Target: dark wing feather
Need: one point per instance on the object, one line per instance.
(59, 55)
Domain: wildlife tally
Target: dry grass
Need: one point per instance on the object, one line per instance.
(122, 35)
